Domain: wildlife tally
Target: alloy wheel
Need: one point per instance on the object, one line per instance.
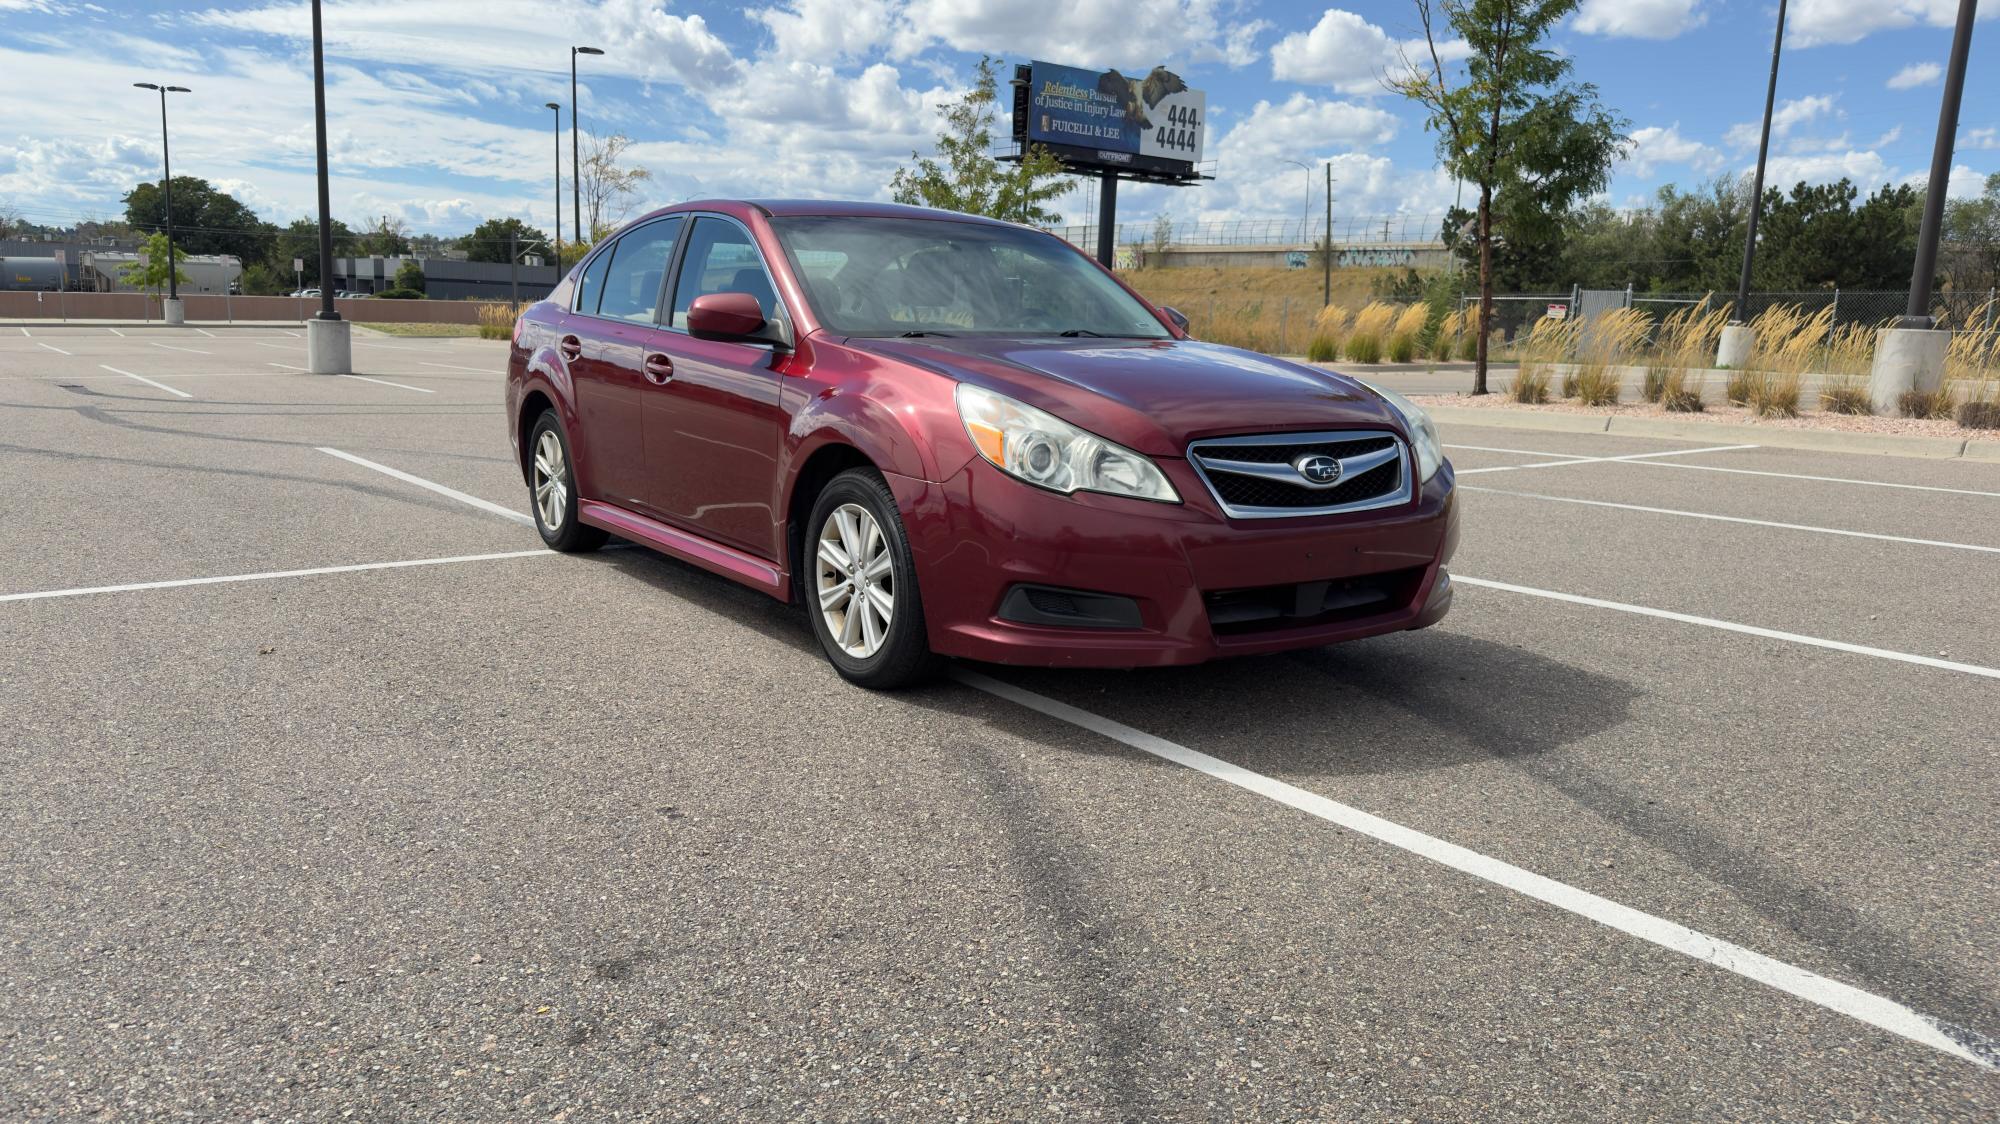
(855, 580)
(551, 481)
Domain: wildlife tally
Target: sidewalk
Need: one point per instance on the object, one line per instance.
(1972, 445)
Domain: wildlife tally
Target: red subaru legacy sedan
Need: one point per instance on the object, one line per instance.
(950, 436)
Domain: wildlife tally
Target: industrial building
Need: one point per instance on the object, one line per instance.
(447, 278)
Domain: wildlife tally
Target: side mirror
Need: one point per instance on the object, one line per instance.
(728, 316)
(1174, 314)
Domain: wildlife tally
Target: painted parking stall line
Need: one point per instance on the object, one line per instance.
(1820, 479)
(432, 485)
(1732, 626)
(386, 382)
(1867, 1007)
(1733, 519)
(171, 347)
(457, 367)
(269, 575)
(147, 381)
(51, 347)
(1606, 460)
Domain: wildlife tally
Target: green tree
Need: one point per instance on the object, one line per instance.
(150, 271)
(964, 177)
(301, 240)
(207, 220)
(1972, 240)
(261, 280)
(609, 188)
(489, 241)
(1698, 237)
(410, 275)
(1514, 125)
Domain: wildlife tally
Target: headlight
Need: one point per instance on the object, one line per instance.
(1048, 452)
(1423, 432)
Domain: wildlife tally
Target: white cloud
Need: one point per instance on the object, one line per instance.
(1350, 54)
(1640, 19)
(1255, 180)
(1789, 115)
(1654, 148)
(1987, 140)
(1819, 22)
(828, 31)
(1916, 74)
(1129, 34)
(1867, 169)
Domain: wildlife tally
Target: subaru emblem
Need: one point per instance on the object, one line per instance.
(1319, 470)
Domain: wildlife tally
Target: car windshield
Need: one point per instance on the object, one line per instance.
(897, 276)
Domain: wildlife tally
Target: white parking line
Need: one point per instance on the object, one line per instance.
(171, 347)
(1822, 479)
(1846, 999)
(292, 347)
(1734, 519)
(1605, 460)
(456, 367)
(209, 334)
(115, 332)
(136, 586)
(24, 332)
(289, 367)
(51, 347)
(386, 382)
(147, 381)
(440, 489)
(1732, 626)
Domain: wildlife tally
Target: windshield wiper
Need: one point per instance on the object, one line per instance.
(1075, 332)
(916, 334)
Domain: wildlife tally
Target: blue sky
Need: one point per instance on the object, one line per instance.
(436, 106)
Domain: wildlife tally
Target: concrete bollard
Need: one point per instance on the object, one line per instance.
(329, 347)
(1906, 359)
(1738, 342)
(173, 311)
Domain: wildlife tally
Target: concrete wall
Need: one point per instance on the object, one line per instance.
(1362, 255)
(220, 309)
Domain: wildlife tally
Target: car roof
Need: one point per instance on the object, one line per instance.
(821, 208)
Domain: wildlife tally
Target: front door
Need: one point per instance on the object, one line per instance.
(614, 327)
(713, 424)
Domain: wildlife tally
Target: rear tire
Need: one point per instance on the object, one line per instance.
(860, 585)
(552, 489)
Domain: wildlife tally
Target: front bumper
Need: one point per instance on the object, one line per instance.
(982, 534)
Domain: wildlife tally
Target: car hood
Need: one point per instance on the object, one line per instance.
(1153, 396)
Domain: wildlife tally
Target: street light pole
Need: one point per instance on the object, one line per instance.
(1327, 298)
(167, 181)
(1922, 278)
(575, 165)
(329, 344)
(558, 108)
(1757, 191)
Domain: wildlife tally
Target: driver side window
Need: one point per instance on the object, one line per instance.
(721, 259)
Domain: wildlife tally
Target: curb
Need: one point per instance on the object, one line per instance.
(1982, 449)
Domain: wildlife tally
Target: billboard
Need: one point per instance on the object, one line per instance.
(1104, 118)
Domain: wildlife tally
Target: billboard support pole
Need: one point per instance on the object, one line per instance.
(1107, 218)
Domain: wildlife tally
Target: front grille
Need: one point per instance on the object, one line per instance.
(1254, 477)
(1234, 612)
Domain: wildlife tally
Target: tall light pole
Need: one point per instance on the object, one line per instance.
(1757, 190)
(329, 347)
(1305, 213)
(575, 166)
(167, 180)
(1925, 273)
(557, 106)
(1327, 298)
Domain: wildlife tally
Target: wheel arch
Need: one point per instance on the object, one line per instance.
(828, 460)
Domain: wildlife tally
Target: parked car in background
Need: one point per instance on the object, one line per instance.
(950, 436)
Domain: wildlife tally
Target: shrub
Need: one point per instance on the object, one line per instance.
(400, 295)
(410, 275)
(1530, 386)
(1774, 394)
(1371, 327)
(1844, 397)
(1737, 389)
(1655, 384)
(1548, 343)
(1930, 405)
(1323, 348)
(1468, 344)
(1979, 415)
(1612, 342)
(1680, 393)
(496, 321)
(1407, 332)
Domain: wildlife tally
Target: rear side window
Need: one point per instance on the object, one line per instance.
(591, 282)
(721, 259)
(638, 270)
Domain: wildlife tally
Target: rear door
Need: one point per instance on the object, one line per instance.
(612, 329)
(713, 425)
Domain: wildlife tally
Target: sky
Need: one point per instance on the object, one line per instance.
(436, 107)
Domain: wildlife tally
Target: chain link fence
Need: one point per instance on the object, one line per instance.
(1347, 229)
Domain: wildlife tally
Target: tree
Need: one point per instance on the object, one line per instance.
(301, 240)
(207, 220)
(386, 237)
(150, 271)
(489, 241)
(10, 221)
(608, 187)
(965, 178)
(410, 275)
(1972, 240)
(1531, 140)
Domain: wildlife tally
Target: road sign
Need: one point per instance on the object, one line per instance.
(298, 265)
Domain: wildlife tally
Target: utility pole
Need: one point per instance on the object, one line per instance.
(1326, 259)
(1925, 274)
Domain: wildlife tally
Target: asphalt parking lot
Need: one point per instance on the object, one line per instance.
(329, 792)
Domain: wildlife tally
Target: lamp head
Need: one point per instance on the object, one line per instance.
(586, 50)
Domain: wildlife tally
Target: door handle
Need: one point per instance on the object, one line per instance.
(658, 369)
(571, 347)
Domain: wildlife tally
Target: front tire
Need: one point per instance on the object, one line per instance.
(860, 585)
(552, 489)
